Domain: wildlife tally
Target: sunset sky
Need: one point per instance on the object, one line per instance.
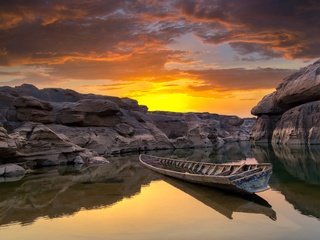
(219, 56)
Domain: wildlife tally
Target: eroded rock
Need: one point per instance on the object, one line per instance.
(290, 114)
(56, 126)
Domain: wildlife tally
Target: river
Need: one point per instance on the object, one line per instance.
(122, 200)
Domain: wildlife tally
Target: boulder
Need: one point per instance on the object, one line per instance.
(31, 102)
(89, 112)
(296, 89)
(267, 105)
(299, 88)
(32, 109)
(11, 170)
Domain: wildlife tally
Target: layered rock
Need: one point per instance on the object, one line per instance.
(202, 129)
(8, 146)
(290, 115)
(39, 146)
(55, 126)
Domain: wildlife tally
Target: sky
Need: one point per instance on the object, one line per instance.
(218, 56)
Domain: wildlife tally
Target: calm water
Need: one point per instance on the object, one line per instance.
(124, 201)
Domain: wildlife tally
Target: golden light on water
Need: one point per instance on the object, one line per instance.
(161, 211)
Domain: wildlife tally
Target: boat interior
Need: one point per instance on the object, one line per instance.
(202, 168)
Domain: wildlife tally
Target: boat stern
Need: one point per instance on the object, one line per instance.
(254, 183)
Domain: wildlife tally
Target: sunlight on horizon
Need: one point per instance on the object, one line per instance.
(182, 99)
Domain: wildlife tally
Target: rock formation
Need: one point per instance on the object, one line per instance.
(290, 115)
(55, 126)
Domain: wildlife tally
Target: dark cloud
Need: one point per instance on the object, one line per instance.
(245, 49)
(128, 39)
(37, 32)
(286, 27)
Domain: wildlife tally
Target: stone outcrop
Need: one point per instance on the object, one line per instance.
(55, 126)
(11, 170)
(290, 115)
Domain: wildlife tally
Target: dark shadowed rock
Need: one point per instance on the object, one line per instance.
(299, 125)
(263, 128)
(31, 102)
(32, 109)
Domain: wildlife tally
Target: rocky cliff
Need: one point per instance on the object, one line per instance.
(56, 126)
(291, 114)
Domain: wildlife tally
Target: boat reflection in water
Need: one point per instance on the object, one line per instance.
(224, 202)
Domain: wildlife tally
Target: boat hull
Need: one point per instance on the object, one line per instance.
(247, 184)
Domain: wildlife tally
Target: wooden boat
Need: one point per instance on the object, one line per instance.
(244, 178)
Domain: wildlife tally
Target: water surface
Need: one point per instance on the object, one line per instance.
(122, 200)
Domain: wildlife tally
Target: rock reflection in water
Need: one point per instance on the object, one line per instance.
(64, 191)
(295, 174)
(225, 203)
(231, 152)
(302, 162)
